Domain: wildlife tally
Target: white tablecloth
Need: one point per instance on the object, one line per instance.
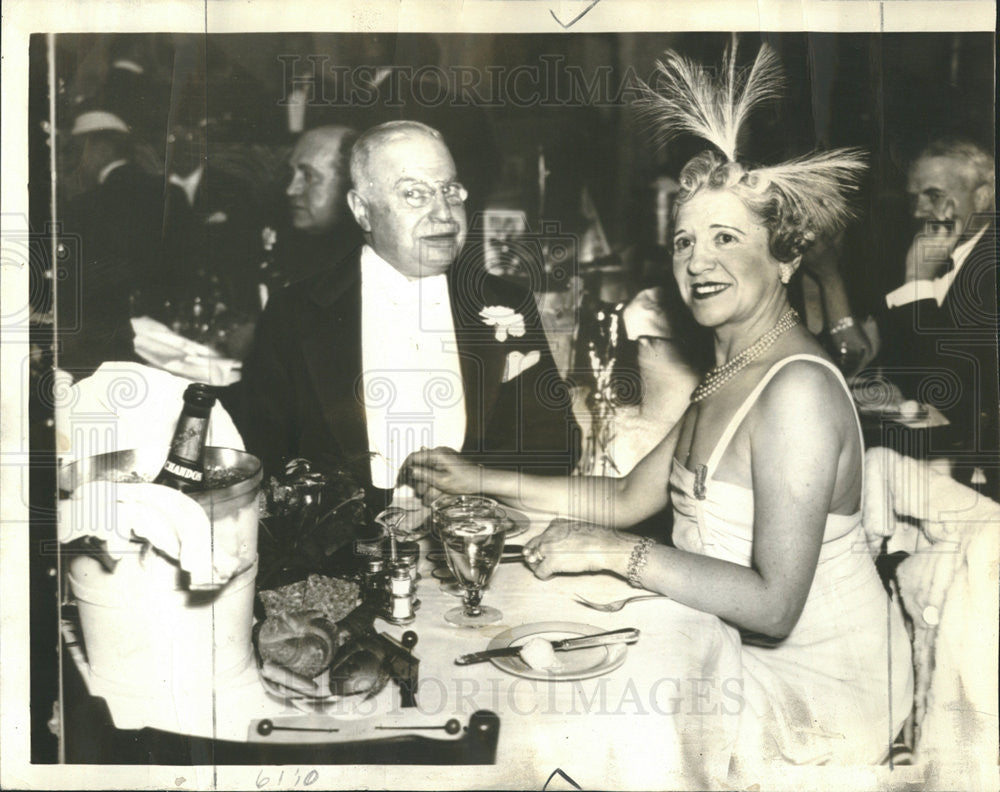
(664, 719)
(160, 346)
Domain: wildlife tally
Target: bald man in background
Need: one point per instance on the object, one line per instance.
(316, 230)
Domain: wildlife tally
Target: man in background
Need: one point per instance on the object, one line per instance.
(317, 230)
(110, 247)
(212, 224)
(940, 325)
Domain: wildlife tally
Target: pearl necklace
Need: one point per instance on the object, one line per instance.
(720, 375)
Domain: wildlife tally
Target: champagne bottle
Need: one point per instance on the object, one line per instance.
(184, 469)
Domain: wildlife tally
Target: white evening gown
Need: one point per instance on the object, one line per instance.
(839, 687)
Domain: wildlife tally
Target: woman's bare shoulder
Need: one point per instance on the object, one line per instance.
(806, 388)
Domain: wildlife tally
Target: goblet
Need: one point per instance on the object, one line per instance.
(473, 546)
(455, 508)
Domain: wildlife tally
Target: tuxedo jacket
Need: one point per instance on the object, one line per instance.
(947, 355)
(302, 386)
(216, 237)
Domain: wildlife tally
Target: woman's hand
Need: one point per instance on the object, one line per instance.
(852, 349)
(573, 546)
(822, 259)
(440, 471)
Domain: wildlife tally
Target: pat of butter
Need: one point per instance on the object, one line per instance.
(538, 654)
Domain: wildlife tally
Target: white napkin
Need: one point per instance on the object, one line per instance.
(169, 520)
(127, 405)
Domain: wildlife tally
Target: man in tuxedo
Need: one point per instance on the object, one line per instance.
(940, 326)
(315, 226)
(213, 221)
(404, 344)
(110, 244)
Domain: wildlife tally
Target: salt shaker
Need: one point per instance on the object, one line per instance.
(400, 588)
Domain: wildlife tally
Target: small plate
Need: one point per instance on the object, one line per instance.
(572, 664)
(921, 413)
(344, 707)
(516, 524)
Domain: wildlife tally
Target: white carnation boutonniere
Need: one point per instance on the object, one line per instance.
(506, 321)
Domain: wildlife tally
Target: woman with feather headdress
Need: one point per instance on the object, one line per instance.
(764, 468)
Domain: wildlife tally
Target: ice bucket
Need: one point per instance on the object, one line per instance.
(143, 629)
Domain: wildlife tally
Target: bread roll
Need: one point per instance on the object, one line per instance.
(303, 642)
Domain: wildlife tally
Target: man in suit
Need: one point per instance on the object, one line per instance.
(940, 326)
(403, 344)
(213, 218)
(315, 225)
(110, 247)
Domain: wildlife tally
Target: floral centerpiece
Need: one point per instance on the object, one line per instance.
(308, 515)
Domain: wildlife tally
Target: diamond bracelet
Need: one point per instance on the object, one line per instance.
(842, 324)
(637, 561)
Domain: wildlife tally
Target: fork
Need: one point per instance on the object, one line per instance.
(616, 605)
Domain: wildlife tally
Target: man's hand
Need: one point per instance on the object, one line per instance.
(440, 471)
(928, 256)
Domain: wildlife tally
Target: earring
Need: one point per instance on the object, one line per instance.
(785, 272)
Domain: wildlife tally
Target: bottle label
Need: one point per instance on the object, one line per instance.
(182, 472)
(187, 431)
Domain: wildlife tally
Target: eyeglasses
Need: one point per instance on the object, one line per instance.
(419, 194)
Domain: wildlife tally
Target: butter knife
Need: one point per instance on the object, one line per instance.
(627, 635)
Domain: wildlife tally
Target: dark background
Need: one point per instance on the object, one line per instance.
(883, 92)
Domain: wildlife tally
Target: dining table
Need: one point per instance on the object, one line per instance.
(655, 714)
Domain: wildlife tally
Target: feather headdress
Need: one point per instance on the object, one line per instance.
(688, 98)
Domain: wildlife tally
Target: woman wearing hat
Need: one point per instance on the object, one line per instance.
(763, 471)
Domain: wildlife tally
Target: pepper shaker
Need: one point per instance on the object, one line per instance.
(374, 582)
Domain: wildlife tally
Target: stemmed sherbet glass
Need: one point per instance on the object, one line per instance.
(473, 546)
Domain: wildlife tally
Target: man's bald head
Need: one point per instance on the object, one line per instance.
(319, 164)
(379, 136)
(406, 197)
